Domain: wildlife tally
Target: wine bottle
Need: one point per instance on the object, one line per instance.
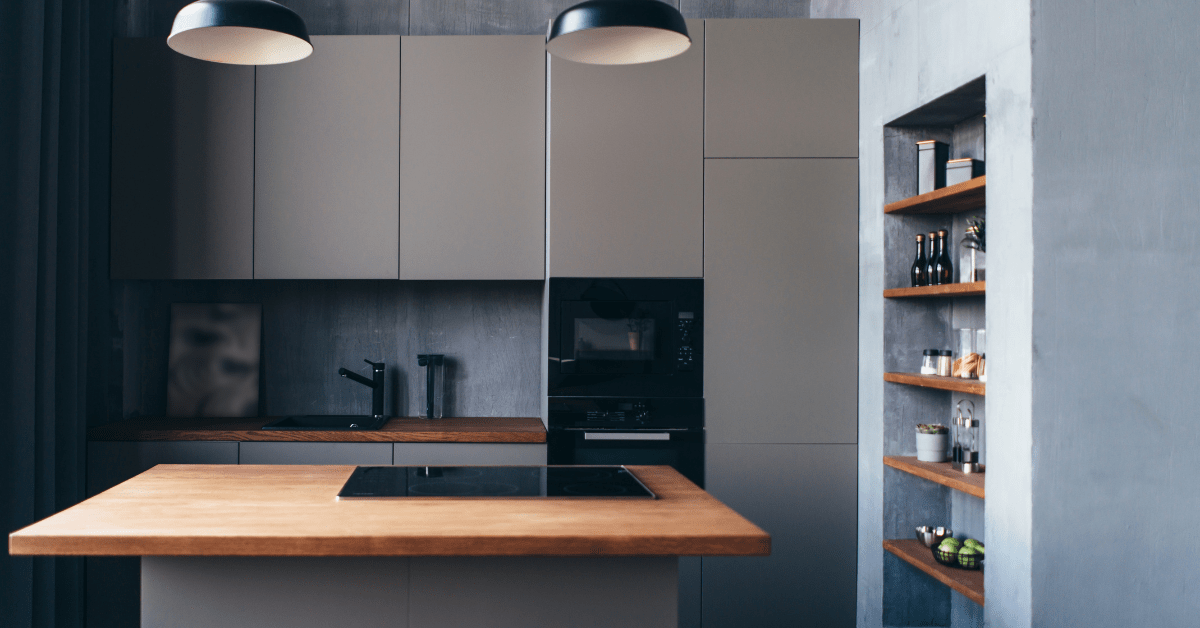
(919, 278)
(945, 271)
(931, 261)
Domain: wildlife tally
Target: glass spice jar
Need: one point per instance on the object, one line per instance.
(929, 362)
(944, 363)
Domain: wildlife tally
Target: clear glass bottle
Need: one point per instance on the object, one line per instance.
(972, 258)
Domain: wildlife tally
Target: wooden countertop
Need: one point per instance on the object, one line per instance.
(252, 510)
(397, 430)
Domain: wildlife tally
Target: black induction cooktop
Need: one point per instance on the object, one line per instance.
(553, 482)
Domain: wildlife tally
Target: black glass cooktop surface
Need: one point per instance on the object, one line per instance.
(495, 482)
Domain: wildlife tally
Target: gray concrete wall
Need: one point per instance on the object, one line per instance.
(149, 18)
(1116, 225)
(913, 51)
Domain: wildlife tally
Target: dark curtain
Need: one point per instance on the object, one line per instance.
(48, 279)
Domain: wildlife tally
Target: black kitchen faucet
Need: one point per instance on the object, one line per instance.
(375, 384)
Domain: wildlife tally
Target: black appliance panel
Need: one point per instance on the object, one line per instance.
(630, 431)
(625, 413)
(494, 482)
(681, 449)
(626, 337)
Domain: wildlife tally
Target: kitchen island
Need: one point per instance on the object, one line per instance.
(271, 545)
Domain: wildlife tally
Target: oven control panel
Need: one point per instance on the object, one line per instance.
(589, 413)
(686, 332)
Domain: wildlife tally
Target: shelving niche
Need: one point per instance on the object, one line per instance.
(917, 589)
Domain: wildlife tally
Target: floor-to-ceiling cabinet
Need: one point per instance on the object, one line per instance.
(781, 298)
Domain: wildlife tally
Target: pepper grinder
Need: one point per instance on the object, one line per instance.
(435, 384)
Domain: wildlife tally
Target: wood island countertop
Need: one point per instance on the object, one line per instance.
(251, 510)
(397, 430)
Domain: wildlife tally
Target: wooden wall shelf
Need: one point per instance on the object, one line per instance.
(973, 289)
(939, 472)
(965, 581)
(953, 199)
(953, 384)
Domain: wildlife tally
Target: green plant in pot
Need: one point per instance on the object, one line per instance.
(933, 441)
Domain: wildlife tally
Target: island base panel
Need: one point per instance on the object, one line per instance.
(421, 592)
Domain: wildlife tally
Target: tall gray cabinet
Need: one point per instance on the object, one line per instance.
(781, 290)
(182, 165)
(327, 161)
(472, 157)
(626, 167)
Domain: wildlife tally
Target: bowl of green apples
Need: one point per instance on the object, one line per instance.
(964, 554)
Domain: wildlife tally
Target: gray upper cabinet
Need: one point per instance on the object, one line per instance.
(626, 167)
(472, 157)
(327, 172)
(780, 293)
(781, 88)
(182, 165)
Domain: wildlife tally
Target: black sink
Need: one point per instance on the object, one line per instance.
(327, 422)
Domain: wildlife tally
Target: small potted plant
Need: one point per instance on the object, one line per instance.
(933, 440)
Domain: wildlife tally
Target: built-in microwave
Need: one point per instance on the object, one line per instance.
(626, 337)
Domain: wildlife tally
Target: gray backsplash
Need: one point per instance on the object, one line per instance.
(489, 331)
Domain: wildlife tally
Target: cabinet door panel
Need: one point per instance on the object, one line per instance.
(316, 453)
(781, 300)
(781, 88)
(182, 165)
(805, 497)
(327, 162)
(472, 157)
(627, 166)
(467, 454)
(113, 583)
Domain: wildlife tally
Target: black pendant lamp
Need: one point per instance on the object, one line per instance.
(618, 32)
(242, 32)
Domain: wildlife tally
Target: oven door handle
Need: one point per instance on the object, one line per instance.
(624, 436)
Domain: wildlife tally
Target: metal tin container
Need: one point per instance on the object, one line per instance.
(931, 165)
(960, 170)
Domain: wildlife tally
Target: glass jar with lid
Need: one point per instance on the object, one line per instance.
(929, 362)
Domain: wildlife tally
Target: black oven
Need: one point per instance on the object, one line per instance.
(628, 431)
(626, 337)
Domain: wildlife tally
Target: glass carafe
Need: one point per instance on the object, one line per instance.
(434, 391)
(972, 258)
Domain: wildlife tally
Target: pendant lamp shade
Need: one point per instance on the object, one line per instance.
(241, 32)
(618, 32)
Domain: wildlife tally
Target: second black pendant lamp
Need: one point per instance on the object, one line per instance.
(242, 32)
(618, 32)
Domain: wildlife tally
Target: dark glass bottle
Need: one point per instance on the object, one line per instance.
(943, 267)
(931, 259)
(919, 278)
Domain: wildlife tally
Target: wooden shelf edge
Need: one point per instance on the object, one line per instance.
(953, 384)
(952, 199)
(940, 473)
(973, 289)
(913, 552)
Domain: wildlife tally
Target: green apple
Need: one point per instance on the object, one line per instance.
(952, 542)
(972, 543)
